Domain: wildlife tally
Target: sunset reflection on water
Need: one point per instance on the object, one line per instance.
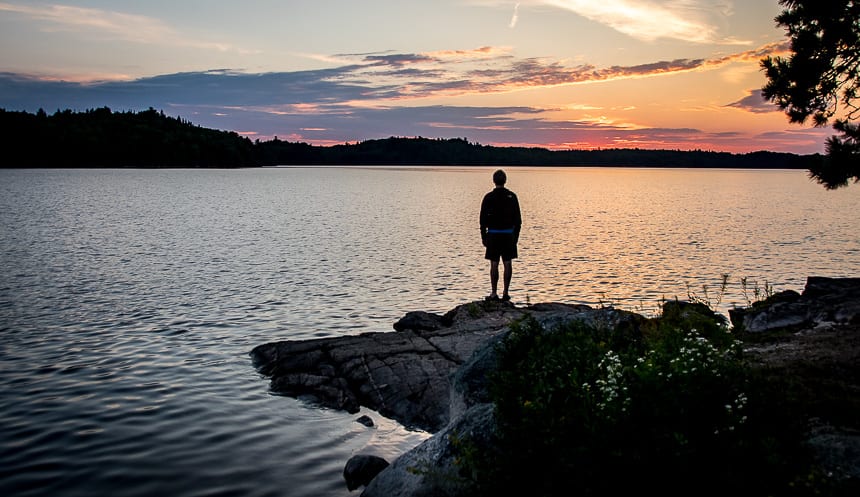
(633, 237)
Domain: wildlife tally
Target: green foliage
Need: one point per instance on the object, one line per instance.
(821, 79)
(668, 407)
(693, 317)
(474, 310)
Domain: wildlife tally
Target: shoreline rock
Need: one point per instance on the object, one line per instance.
(405, 375)
(361, 469)
(431, 372)
(823, 301)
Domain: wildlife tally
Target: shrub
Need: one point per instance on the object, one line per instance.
(587, 411)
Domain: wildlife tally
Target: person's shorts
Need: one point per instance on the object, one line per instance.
(501, 246)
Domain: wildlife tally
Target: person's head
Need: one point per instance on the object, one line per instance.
(500, 178)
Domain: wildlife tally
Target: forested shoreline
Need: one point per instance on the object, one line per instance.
(100, 138)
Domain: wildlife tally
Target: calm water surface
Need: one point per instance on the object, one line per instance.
(129, 299)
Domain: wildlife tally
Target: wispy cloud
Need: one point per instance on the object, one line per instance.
(645, 20)
(368, 79)
(695, 21)
(480, 53)
(105, 24)
(754, 102)
(754, 55)
(494, 70)
(115, 24)
(515, 17)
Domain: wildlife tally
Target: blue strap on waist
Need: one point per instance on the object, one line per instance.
(509, 231)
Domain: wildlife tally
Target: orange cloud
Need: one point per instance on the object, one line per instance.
(755, 55)
(477, 53)
(395, 76)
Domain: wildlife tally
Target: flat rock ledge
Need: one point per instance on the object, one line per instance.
(404, 375)
(431, 372)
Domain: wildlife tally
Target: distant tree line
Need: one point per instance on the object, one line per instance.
(102, 138)
(459, 151)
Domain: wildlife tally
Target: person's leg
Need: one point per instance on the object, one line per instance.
(494, 278)
(509, 270)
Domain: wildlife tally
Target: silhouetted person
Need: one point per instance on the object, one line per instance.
(500, 231)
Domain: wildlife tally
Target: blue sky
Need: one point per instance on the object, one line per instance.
(676, 74)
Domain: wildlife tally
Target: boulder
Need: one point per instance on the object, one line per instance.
(835, 300)
(824, 300)
(419, 321)
(431, 469)
(361, 469)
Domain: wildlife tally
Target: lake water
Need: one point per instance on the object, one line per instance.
(129, 299)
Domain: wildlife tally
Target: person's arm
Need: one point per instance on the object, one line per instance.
(518, 219)
(483, 221)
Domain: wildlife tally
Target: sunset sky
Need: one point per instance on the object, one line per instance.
(664, 74)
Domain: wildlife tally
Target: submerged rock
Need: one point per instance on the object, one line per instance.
(365, 420)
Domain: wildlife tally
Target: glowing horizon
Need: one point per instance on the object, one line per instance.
(651, 74)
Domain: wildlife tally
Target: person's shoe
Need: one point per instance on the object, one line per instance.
(506, 298)
(492, 298)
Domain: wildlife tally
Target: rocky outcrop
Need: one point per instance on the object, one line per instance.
(813, 338)
(432, 372)
(405, 375)
(823, 301)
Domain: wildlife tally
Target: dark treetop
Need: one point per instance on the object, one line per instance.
(102, 138)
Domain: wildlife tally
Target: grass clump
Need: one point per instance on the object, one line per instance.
(667, 406)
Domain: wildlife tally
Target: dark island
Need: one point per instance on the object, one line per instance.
(101, 138)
